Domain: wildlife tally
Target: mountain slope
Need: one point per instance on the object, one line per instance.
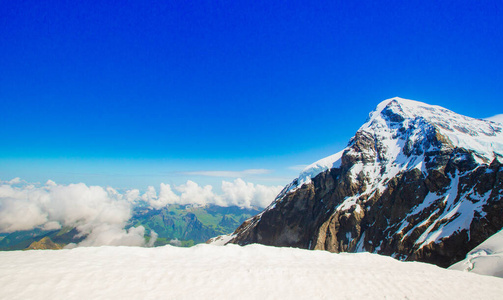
(417, 182)
(20, 240)
(44, 244)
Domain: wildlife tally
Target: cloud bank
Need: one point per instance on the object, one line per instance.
(235, 193)
(102, 214)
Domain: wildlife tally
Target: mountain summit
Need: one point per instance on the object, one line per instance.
(417, 182)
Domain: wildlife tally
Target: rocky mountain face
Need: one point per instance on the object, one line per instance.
(416, 182)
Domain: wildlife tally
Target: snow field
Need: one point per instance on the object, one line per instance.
(486, 258)
(229, 272)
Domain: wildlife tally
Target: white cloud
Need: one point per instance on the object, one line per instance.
(240, 193)
(51, 225)
(231, 174)
(50, 183)
(235, 193)
(153, 238)
(101, 214)
(192, 193)
(150, 195)
(496, 118)
(132, 195)
(16, 180)
(21, 209)
(175, 242)
(166, 196)
(97, 213)
(108, 234)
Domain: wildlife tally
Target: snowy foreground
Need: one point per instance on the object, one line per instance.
(229, 272)
(486, 258)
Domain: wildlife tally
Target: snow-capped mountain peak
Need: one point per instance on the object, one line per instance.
(404, 125)
(413, 176)
(481, 136)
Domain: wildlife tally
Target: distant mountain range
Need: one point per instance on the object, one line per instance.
(187, 225)
(180, 225)
(416, 182)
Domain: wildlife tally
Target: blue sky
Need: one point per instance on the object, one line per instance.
(135, 93)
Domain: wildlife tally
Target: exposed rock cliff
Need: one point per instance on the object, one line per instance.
(417, 182)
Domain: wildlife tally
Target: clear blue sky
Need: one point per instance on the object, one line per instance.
(133, 93)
